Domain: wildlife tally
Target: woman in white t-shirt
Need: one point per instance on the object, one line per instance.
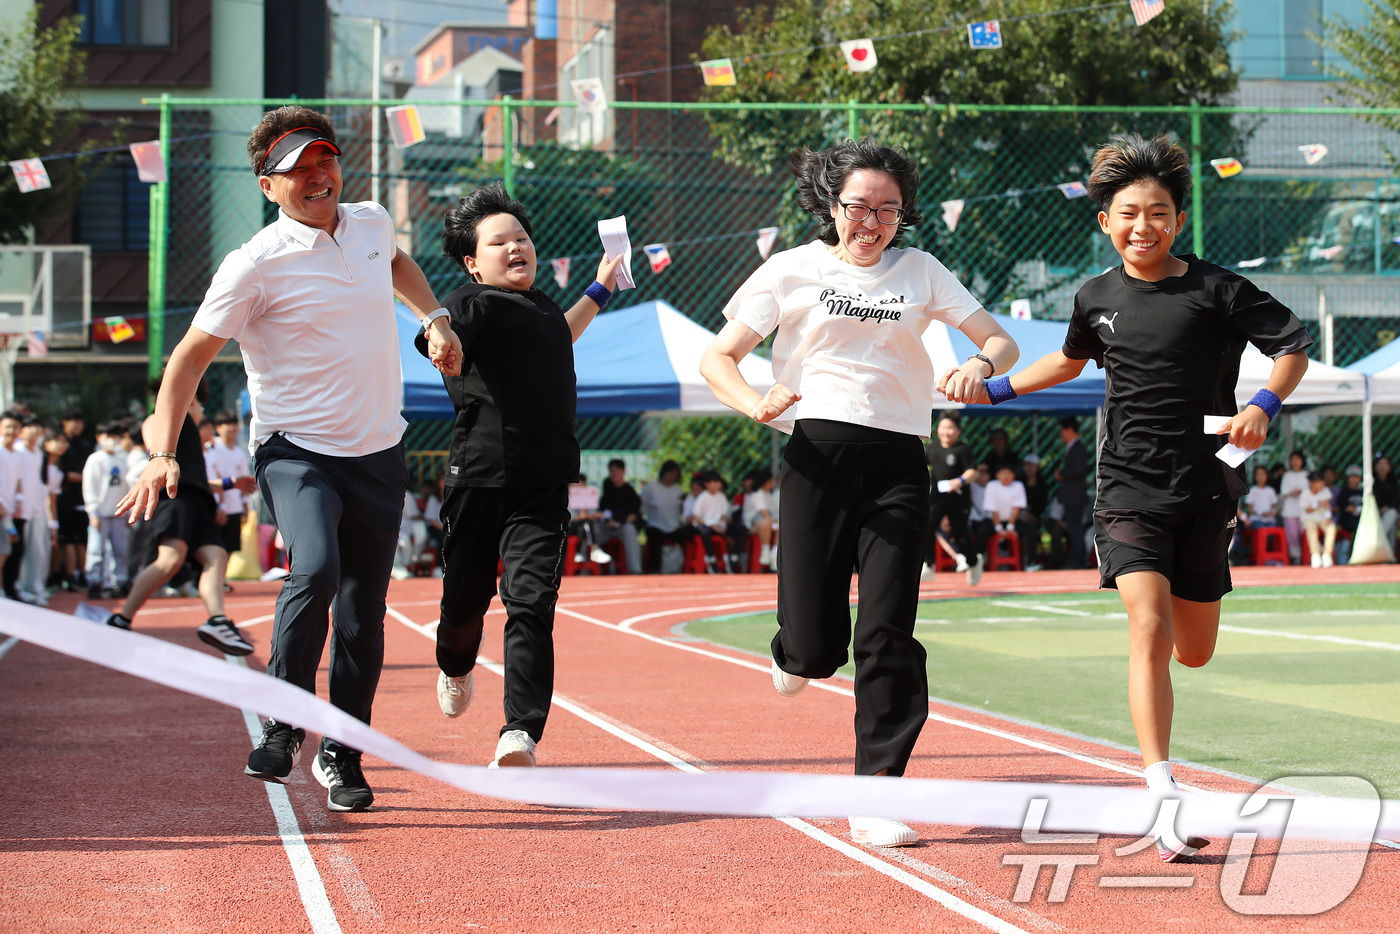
(855, 387)
(1293, 485)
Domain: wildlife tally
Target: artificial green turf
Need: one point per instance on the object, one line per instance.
(1265, 706)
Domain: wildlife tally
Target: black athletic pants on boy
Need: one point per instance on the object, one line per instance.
(527, 528)
(856, 499)
(339, 517)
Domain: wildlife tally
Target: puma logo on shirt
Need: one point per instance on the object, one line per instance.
(1105, 319)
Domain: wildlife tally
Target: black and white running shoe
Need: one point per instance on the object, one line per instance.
(277, 753)
(338, 771)
(222, 634)
(118, 621)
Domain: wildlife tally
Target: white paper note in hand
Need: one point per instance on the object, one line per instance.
(613, 233)
(945, 486)
(1230, 453)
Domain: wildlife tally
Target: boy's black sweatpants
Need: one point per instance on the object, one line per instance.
(527, 528)
(856, 499)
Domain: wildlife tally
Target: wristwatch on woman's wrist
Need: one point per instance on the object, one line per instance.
(987, 360)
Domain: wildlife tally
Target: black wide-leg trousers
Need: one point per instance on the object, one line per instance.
(526, 529)
(855, 499)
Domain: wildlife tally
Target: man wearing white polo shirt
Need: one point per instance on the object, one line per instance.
(310, 300)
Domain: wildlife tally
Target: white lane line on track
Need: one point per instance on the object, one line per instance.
(255, 620)
(627, 735)
(309, 884)
(1042, 607)
(7, 645)
(847, 692)
(1311, 637)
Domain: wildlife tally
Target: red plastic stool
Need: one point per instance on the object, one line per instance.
(1270, 544)
(614, 548)
(694, 557)
(942, 561)
(571, 563)
(1009, 561)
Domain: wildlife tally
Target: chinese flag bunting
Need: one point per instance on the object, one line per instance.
(150, 164)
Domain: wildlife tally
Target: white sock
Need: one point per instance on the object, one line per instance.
(764, 553)
(1159, 777)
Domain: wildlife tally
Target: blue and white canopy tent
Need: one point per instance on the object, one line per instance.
(634, 360)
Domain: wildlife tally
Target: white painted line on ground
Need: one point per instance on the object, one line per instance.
(847, 692)
(255, 620)
(1311, 637)
(631, 621)
(194, 604)
(1042, 607)
(309, 884)
(627, 735)
(7, 645)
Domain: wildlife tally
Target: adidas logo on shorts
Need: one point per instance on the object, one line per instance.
(1234, 521)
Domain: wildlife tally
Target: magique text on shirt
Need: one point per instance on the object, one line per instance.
(851, 307)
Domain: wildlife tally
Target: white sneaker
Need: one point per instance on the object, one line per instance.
(515, 748)
(927, 574)
(454, 694)
(1327, 561)
(974, 573)
(962, 564)
(881, 831)
(786, 684)
(1033, 567)
(189, 589)
(600, 556)
(400, 573)
(1316, 560)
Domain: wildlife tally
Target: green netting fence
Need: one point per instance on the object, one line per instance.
(705, 178)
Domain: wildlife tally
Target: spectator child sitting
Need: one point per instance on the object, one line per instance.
(584, 513)
(663, 504)
(760, 516)
(711, 516)
(1349, 502)
(621, 509)
(1316, 505)
(1005, 501)
(1261, 502)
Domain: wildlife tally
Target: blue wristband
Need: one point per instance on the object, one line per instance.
(599, 293)
(228, 483)
(1270, 403)
(999, 390)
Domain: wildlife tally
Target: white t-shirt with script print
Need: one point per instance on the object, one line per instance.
(850, 337)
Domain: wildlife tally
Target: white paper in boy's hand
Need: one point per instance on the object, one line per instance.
(1230, 453)
(613, 233)
(945, 486)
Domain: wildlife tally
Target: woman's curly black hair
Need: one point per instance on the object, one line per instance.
(821, 175)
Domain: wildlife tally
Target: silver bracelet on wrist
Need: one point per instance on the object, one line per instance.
(169, 454)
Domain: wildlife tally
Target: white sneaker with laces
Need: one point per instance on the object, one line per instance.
(1327, 561)
(974, 573)
(881, 831)
(786, 684)
(1317, 560)
(515, 748)
(454, 694)
(600, 556)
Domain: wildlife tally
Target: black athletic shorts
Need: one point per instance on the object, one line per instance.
(72, 525)
(190, 517)
(1190, 550)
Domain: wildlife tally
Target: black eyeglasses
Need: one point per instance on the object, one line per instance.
(859, 212)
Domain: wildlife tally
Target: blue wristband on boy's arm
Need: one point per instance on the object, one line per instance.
(599, 293)
(1270, 403)
(228, 483)
(999, 390)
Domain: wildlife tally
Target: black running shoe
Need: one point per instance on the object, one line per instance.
(118, 621)
(220, 632)
(340, 774)
(277, 753)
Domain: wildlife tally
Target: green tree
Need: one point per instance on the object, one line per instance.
(1372, 53)
(1094, 56)
(38, 70)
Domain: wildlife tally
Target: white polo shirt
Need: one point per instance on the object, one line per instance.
(850, 338)
(314, 316)
(9, 481)
(34, 490)
(222, 461)
(999, 498)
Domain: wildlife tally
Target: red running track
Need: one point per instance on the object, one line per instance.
(127, 809)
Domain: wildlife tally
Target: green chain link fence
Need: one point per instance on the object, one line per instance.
(703, 179)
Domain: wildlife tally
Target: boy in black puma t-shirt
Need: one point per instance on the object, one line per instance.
(1169, 331)
(513, 455)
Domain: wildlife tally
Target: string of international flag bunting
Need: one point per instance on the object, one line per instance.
(406, 129)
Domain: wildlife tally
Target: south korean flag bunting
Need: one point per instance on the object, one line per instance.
(860, 54)
(1313, 153)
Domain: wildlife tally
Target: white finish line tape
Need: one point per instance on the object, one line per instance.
(1126, 811)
